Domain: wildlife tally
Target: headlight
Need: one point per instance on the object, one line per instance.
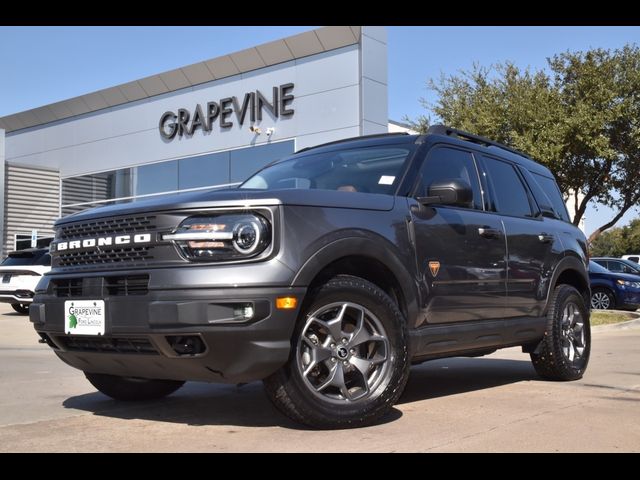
(627, 283)
(222, 237)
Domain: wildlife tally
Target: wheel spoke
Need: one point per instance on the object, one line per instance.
(318, 352)
(360, 335)
(334, 326)
(363, 365)
(571, 349)
(336, 379)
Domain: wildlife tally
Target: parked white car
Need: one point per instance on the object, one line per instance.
(634, 258)
(20, 272)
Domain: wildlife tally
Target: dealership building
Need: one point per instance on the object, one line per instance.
(210, 124)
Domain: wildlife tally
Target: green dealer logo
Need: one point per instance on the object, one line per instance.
(73, 321)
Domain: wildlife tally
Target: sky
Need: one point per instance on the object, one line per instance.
(41, 65)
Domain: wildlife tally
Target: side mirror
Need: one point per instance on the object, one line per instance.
(448, 192)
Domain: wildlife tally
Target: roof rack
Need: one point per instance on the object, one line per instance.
(375, 135)
(448, 131)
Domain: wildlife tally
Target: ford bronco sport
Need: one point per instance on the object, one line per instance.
(325, 274)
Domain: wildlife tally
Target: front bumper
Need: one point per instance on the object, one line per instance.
(140, 332)
(629, 299)
(19, 296)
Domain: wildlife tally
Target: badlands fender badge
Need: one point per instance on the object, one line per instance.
(434, 267)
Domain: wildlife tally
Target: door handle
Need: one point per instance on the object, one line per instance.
(545, 238)
(487, 232)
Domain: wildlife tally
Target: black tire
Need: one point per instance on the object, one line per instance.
(602, 299)
(132, 389)
(553, 358)
(21, 308)
(294, 395)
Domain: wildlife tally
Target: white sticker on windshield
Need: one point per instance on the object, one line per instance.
(386, 180)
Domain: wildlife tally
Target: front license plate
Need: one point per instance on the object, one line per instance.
(84, 317)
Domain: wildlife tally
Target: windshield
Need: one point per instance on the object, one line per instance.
(595, 268)
(16, 259)
(370, 170)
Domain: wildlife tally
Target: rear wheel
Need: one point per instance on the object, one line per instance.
(563, 353)
(349, 358)
(22, 308)
(132, 389)
(602, 299)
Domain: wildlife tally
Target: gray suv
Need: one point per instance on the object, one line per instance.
(326, 275)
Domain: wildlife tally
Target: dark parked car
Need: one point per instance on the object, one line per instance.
(618, 265)
(326, 274)
(611, 290)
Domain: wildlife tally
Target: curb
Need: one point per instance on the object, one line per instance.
(628, 325)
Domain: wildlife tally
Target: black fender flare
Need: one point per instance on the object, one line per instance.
(378, 249)
(568, 263)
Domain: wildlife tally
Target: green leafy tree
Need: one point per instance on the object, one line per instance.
(581, 120)
(618, 241)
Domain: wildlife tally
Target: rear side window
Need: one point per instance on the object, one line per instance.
(509, 194)
(551, 190)
(445, 163)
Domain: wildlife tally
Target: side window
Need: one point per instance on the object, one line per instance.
(445, 163)
(628, 269)
(615, 266)
(551, 190)
(510, 195)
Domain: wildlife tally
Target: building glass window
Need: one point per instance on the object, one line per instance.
(156, 178)
(202, 171)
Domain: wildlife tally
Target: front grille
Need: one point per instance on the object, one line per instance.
(129, 285)
(100, 286)
(95, 255)
(135, 256)
(133, 345)
(67, 287)
(111, 226)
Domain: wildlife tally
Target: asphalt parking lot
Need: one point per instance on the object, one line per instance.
(489, 404)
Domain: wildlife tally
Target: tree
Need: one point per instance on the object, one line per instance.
(618, 241)
(581, 120)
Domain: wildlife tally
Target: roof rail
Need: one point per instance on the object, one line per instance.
(375, 135)
(448, 131)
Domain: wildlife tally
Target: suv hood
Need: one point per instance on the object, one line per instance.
(237, 197)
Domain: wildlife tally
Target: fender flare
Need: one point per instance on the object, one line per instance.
(378, 249)
(568, 263)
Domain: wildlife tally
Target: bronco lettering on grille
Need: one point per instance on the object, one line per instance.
(98, 242)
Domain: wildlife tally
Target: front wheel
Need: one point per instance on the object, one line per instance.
(563, 353)
(132, 389)
(349, 358)
(22, 308)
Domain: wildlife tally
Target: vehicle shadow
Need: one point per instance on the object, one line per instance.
(202, 404)
(452, 376)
